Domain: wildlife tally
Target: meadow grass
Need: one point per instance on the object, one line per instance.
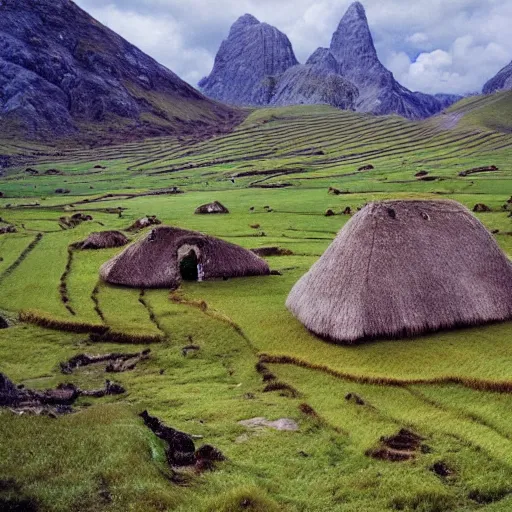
(103, 458)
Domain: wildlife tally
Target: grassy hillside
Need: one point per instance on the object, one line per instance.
(273, 173)
(492, 112)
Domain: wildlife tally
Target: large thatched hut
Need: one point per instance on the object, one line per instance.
(103, 240)
(167, 255)
(403, 268)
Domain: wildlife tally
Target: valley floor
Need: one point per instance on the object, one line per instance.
(273, 173)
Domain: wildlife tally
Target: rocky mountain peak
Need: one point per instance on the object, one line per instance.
(352, 42)
(244, 21)
(248, 62)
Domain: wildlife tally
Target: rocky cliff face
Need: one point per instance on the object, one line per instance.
(313, 84)
(347, 75)
(62, 72)
(248, 62)
(379, 93)
(501, 82)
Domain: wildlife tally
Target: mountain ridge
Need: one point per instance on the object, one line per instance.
(62, 73)
(346, 75)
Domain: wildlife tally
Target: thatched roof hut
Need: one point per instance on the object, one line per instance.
(214, 207)
(167, 255)
(403, 268)
(103, 240)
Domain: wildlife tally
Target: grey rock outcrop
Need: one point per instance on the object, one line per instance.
(248, 63)
(61, 72)
(311, 84)
(501, 82)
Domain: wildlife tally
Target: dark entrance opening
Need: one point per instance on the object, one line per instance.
(188, 267)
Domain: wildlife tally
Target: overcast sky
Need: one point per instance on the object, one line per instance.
(451, 46)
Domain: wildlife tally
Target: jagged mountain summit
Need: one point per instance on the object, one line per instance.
(347, 75)
(247, 62)
(501, 82)
(379, 93)
(62, 73)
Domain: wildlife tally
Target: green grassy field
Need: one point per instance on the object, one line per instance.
(102, 458)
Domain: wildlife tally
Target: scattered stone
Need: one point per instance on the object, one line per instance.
(368, 167)
(352, 397)
(74, 221)
(190, 348)
(481, 207)
(145, 222)
(62, 191)
(180, 449)
(51, 401)
(4, 230)
(442, 469)
(489, 168)
(32, 172)
(180, 446)
(398, 448)
(117, 362)
(276, 273)
(283, 424)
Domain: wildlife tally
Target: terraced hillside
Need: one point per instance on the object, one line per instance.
(439, 403)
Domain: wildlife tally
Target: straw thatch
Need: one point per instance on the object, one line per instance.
(403, 268)
(103, 240)
(154, 261)
(214, 207)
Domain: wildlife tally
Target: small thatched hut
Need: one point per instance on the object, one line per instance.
(168, 255)
(103, 240)
(403, 268)
(214, 207)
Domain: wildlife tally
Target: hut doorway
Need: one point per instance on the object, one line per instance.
(188, 266)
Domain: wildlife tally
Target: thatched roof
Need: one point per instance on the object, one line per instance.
(154, 261)
(103, 240)
(403, 268)
(214, 207)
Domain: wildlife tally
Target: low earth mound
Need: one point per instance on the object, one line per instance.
(103, 240)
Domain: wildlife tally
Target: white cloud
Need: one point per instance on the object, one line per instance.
(434, 46)
(418, 38)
